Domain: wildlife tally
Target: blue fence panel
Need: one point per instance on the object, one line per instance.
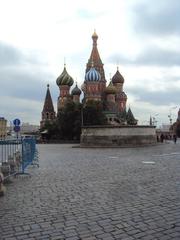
(10, 156)
(16, 155)
(28, 152)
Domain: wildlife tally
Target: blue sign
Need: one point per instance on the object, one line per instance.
(16, 122)
(16, 128)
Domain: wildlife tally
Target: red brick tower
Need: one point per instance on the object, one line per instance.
(97, 63)
(64, 82)
(110, 97)
(91, 85)
(48, 114)
(121, 97)
(76, 92)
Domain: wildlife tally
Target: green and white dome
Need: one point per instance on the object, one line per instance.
(65, 79)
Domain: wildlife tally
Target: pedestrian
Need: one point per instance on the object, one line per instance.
(2, 188)
(162, 138)
(174, 138)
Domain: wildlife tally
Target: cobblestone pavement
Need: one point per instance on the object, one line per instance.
(88, 194)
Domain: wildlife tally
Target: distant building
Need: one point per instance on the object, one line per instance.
(3, 128)
(176, 126)
(166, 130)
(29, 128)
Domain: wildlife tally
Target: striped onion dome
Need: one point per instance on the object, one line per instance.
(76, 91)
(92, 75)
(110, 89)
(64, 79)
(117, 78)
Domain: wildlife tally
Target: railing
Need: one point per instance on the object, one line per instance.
(17, 155)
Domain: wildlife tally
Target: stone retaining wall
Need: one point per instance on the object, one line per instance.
(117, 136)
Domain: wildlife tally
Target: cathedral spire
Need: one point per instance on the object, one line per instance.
(48, 104)
(94, 38)
(48, 113)
(150, 121)
(95, 58)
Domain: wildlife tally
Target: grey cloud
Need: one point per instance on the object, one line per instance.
(26, 111)
(152, 56)
(86, 14)
(23, 92)
(156, 98)
(157, 56)
(157, 17)
(22, 75)
(9, 55)
(25, 84)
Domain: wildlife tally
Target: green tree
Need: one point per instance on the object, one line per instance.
(93, 113)
(69, 121)
(52, 130)
(130, 118)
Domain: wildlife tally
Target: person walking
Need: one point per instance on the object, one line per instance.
(174, 138)
(162, 137)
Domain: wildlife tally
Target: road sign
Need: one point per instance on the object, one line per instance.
(16, 122)
(16, 128)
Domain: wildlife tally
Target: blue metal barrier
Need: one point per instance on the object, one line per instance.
(10, 156)
(29, 153)
(17, 155)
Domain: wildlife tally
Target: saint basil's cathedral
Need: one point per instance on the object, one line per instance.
(112, 97)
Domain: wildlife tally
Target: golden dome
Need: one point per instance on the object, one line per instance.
(94, 34)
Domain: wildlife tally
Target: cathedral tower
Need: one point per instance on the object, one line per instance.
(121, 97)
(76, 92)
(48, 114)
(110, 97)
(97, 63)
(91, 85)
(64, 82)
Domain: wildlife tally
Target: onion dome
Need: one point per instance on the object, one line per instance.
(110, 89)
(117, 78)
(92, 75)
(76, 91)
(123, 95)
(64, 79)
(94, 35)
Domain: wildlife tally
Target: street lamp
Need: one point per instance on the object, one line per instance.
(170, 114)
(154, 121)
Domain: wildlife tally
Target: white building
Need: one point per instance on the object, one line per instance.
(29, 128)
(3, 127)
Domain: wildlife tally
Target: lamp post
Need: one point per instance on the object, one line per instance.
(170, 114)
(154, 121)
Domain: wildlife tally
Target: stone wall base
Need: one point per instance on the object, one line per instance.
(117, 136)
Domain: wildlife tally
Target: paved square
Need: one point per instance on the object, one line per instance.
(88, 194)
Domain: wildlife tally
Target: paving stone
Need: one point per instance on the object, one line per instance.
(93, 194)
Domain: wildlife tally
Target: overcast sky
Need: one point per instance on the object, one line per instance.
(142, 37)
